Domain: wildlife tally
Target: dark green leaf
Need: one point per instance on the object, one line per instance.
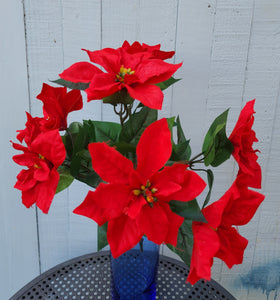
(125, 148)
(182, 150)
(90, 130)
(102, 237)
(71, 85)
(210, 178)
(170, 122)
(189, 210)
(121, 96)
(105, 131)
(80, 140)
(137, 123)
(216, 147)
(65, 179)
(165, 84)
(184, 242)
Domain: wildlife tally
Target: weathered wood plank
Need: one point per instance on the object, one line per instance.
(57, 32)
(45, 59)
(81, 29)
(18, 230)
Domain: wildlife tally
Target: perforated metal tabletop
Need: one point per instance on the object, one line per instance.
(88, 277)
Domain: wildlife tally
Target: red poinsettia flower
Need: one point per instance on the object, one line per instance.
(218, 238)
(57, 105)
(151, 51)
(31, 131)
(42, 157)
(242, 138)
(135, 73)
(135, 201)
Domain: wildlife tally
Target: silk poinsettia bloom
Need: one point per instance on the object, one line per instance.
(135, 201)
(218, 238)
(151, 51)
(39, 181)
(135, 73)
(242, 138)
(31, 131)
(57, 104)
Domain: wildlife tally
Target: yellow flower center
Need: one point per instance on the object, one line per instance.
(36, 165)
(123, 71)
(147, 192)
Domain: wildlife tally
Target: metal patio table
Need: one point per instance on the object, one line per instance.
(88, 277)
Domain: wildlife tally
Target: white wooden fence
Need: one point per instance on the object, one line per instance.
(231, 54)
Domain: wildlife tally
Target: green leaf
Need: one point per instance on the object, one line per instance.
(65, 179)
(184, 242)
(71, 85)
(105, 131)
(80, 140)
(165, 84)
(189, 210)
(137, 123)
(121, 96)
(102, 237)
(216, 147)
(170, 122)
(182, 150)
(210, 178)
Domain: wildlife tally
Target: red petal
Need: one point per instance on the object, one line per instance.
(80, 72)
(150, 95)
(122, 234)
(49, 144)
(242, 208)
(155, 70)
(192, 186)
(110, 165)
(168, 181)
(108, 58)
(42, 193)
(154, 149)
(135, 206)
(242, 138)
(232, 246)
(175, 222)
(19, 147)
(105, 203)
(206, 245)
(25, 180)
(25, 159)
(42, 172)
(154, 223)
(101, 86)
(72, 101)
(214, 212)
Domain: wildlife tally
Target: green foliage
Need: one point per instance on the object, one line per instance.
(210, 179)
(71, 85)
(184, 242)
(121, 96)
(65, 179)
(189, 210)
(103, 131)
(137, 123)
(182, 150)
(167, 83)
(102, 237)
(216, 147)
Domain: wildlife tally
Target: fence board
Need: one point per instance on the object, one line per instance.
(18, 231)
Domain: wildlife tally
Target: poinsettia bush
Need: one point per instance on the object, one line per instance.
(142, 176)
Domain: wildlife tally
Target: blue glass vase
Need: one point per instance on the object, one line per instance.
(134, 273)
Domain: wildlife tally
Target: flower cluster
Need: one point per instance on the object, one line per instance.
(44, 151)
(145, 179)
